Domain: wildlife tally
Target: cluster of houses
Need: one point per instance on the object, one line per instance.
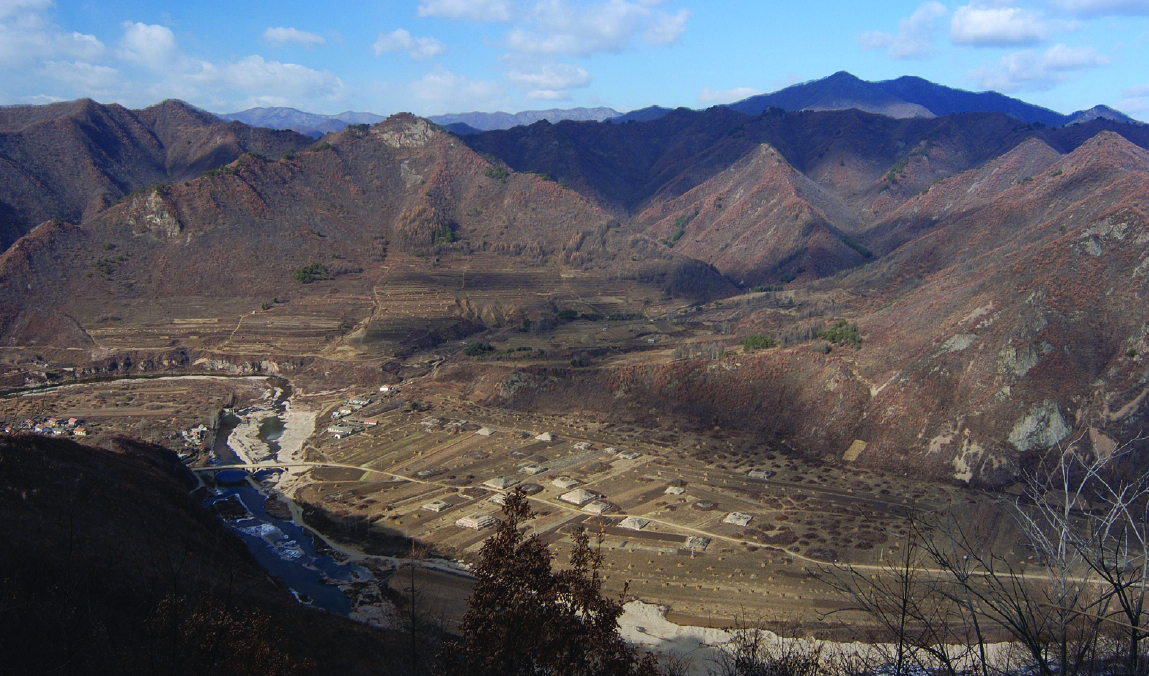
(351, 423)
(72, 427)
(196, 436)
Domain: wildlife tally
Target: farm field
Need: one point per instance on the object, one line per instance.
(693, 550)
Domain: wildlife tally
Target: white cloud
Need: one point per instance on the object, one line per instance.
(27, 35)
(443, 91)
(279, 35)
(666, 28)
(1105, 7)
(91, 78)
(1136, 91)
(709, 97)
(550, 77)
(1135, 101)
(151, 46)
(289, 81)
(475, 10)
(564, 27)
(916, 34)
(419, 49)
(1028, 70)
(548, 95)
(997, 26)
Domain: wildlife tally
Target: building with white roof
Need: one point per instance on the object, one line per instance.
(579, 496)
(634, 523)
(598, 507)
(437, 506)
(477, 521)
(501, 483)
(737, 518)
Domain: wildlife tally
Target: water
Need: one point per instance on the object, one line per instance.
(270, 430)
(284, 550)
(223, 453)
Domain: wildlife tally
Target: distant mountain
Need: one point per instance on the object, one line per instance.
(311, 124)
(902, 98)
(489, 121)
(1100, 112)
(461, 129)
(642, 114)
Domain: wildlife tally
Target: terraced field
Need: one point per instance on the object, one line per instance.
(687, 554)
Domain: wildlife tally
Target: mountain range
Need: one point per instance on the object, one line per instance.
(954, 291)
(900, 98)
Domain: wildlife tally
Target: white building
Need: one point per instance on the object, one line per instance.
(501, 483)
(634, 523)
(737, 518)
(437, 506)
(477, 521)
(598, 507)
(578, 496)
(565, 482)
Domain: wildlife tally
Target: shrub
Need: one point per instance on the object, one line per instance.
(758, 342)
(476, 349)
(310, 273)
(498, 173)
(842, 333)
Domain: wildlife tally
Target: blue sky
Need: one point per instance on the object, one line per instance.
(440, 56)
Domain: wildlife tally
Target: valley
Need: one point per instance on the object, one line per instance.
(746, 348)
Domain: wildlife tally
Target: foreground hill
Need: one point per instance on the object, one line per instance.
(68, 161)
(111, 567)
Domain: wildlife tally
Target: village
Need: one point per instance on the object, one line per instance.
(750, 529)
(690, 520)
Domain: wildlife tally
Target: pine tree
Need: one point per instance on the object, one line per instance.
(525, 619)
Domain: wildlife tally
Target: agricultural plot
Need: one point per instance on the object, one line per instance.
(726, 540)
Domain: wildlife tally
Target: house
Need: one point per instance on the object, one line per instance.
(565, 483)
(598, 507)
(761, 473)
(697, 542)
(499, 499)
(501, 483)
(545, 436)
(674, 490)
(578, 496)
(341, 431)
(737, 518)
(485, 432)
(80, 432)
(628, 455)
(437, 506)
(358, 401)
(582, 446)
(634, 523)
(530, 489)
(477, 521)
(532, 469)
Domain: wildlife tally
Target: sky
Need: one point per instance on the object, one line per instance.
(433, 57)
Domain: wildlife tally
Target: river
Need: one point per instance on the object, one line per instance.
(283, 547)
